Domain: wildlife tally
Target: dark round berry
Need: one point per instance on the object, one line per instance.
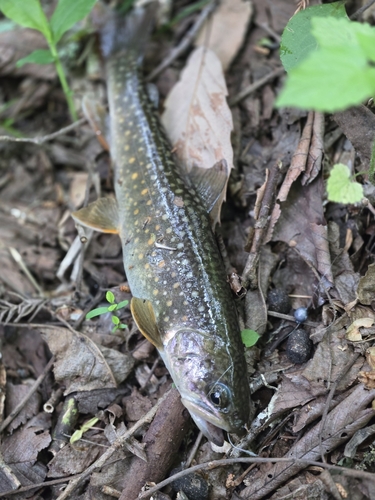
(278, 301)
(194, 486)
(300, 314)
(299, 346)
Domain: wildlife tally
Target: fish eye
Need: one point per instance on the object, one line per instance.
(219, 396)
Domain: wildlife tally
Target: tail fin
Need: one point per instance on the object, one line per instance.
(127, 33)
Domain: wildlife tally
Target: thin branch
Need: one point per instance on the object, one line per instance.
(185, 42)
(256, 85)
(257, 460)
(45, 138)
(360, 11)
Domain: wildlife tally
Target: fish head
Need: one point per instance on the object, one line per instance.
(213, 384)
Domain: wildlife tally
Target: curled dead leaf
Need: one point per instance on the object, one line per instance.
(353, 333)
(367, 378)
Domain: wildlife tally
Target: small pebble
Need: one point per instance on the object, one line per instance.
(194, 486)
(299, 346)
(300, 314)
(278, 301)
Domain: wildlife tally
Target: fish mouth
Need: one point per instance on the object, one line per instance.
(211, 426)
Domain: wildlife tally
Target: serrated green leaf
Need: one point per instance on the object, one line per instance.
(67, 14)
(96, 312)
(115, 320)
(297, 40)
(249, 337)
(341, 188)
(329, 80)
(26, 13)
(110, 297)
(37, 57)
(122, 304)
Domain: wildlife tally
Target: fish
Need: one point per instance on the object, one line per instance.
(181, 300)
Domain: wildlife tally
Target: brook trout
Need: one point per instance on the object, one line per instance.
(181, 300)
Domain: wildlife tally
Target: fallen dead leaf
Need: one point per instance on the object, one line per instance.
(82, 364)
(367, 378)
(366, 287)
(225, 31)
(353, 334)
(197, 118)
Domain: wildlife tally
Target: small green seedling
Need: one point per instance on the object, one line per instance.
(29, 14)
(330, 62)
(111, 308)
(77, 435)
(249, 337)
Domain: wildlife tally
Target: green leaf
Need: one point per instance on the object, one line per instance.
(122, 304)
(341, 188)
(110, 297)
(27, 13)
(96, 312)
(115, 320)
(67, 14)
(297, 40)
(112, 307)
(337, 75)
(329, 80)
(123, 326)
(249, 337)
(37, 57)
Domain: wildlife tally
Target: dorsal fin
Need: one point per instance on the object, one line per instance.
(211, 186)
(144, 316)
(102, 215)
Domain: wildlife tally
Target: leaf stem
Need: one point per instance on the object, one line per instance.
(64, 84)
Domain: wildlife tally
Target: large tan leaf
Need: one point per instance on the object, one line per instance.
(224, 33)
(197, 118)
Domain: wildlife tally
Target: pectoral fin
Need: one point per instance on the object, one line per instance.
(144, 316)
(211, 186)
(102, 215)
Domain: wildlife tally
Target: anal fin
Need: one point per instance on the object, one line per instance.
(102, 215)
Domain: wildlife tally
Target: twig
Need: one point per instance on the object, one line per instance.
(266, 200)
(269, 30)
(257, 460)
(19, 260)
(45, 138)
(30, 487)
(288, 317)
(118, 444)
(256, 85)
(22, 403)
(360, 11)
(185, 42)
(331, 394)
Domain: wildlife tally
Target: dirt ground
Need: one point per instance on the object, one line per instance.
(285, 247)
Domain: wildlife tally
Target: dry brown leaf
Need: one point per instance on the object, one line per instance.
(225, 31)
(81, 364)
(366, 286)
(367, 378)
(299, 160)
(353, 334)
(197, 117)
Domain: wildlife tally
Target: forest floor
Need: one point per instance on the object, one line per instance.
(312, 382)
